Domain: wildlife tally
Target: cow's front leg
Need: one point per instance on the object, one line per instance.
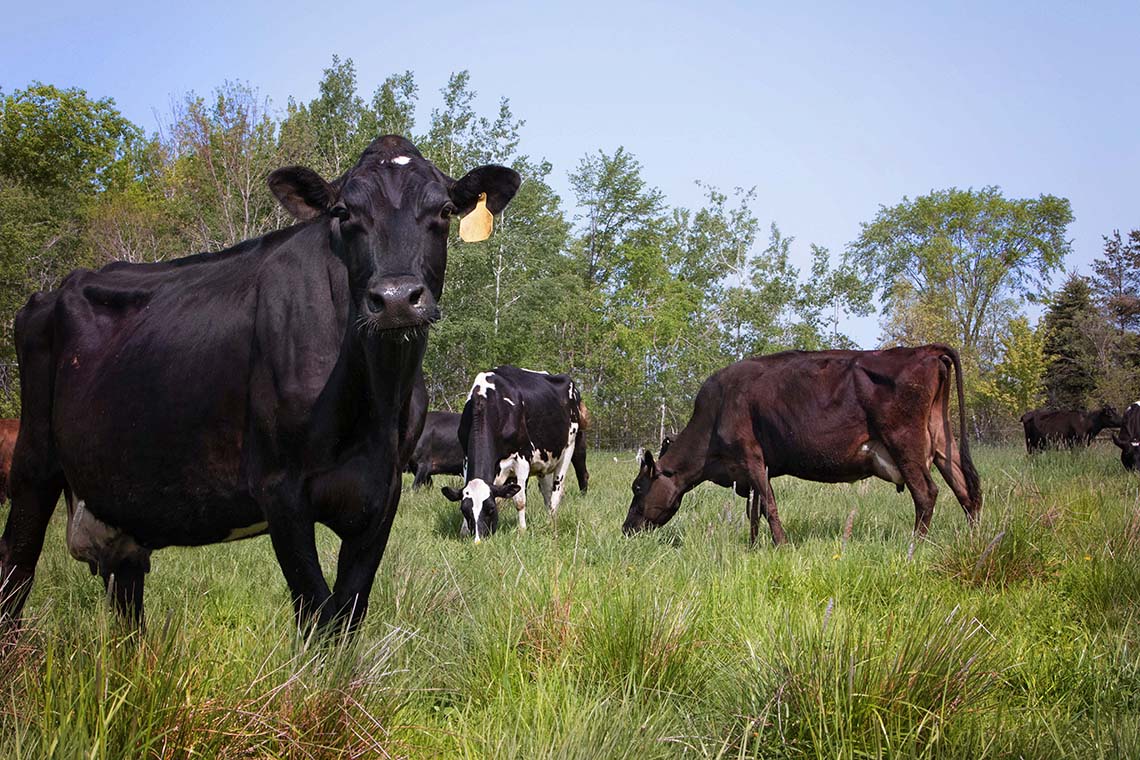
(361, 551)
(292, 531)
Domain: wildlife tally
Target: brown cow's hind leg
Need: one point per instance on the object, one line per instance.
(924, 492)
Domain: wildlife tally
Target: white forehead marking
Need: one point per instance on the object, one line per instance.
(1135, 403)
(478, 492)
(512, 403)
(482, 384)
(401, 160)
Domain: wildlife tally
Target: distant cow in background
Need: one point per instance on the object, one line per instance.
(518, 422)
(438, 451)
(1065, 427)
(9, 429)
(827, 416)
(1128, 437)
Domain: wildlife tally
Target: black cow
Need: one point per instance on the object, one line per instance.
(1065, 427)
(438, 452)
(519, 423)
(1128, 437)
(827, 416)
(263, 388)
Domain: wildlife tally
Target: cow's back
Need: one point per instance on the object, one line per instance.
(812, 411)
(152, 370)
(549, 403)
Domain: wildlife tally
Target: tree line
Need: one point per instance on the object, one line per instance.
(639, 299)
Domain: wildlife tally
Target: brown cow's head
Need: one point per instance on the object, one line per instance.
(656, 497)
(388, 218)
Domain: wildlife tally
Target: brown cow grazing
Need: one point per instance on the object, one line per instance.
(1065, 427)
(827, 416)
(9, 429)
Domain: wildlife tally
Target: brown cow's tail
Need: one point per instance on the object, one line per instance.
(973, 482)
(583, 412)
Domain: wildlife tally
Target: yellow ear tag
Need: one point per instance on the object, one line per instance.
(476, 226)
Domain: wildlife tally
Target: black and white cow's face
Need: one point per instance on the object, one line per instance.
(656, 497)
(477, 505)
(388, 219)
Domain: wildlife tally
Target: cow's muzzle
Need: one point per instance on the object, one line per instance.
(398, 308)
(635, 524)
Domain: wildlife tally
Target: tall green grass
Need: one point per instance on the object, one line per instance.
(1019, 638)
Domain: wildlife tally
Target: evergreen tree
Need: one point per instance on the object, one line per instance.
(1070, 377)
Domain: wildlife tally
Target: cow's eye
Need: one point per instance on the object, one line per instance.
(447, 210)
(340, 211)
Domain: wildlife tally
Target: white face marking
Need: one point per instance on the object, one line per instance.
(1136, 443)
(512, 403)
(401, 160)
(478, 492)
(482, 384)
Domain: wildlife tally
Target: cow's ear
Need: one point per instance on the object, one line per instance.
(498, 182)
(302, 192)
(647, 461)
(451, 494)
(505, 491)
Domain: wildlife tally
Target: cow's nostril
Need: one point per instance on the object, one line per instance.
(376, 301)
(415, 295)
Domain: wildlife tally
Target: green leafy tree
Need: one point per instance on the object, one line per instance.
(958, 257)
(619, 210)
(222, 150)
(1016, 384)
(60, 150)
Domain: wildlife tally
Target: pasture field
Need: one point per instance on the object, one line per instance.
(1020, 639)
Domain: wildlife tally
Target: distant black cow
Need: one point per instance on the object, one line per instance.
(1128, 437)
(438, 451)
(1065, 427)
(518, 423)
(260, 389)
(828, 416)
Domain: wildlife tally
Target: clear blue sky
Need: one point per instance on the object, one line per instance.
(830, 109)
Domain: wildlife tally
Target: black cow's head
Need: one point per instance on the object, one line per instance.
(656, 497)
(388, 219)
(477, 504)
(1107, 416)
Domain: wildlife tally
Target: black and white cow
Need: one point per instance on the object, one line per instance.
(518, 422)
(1128, 437)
